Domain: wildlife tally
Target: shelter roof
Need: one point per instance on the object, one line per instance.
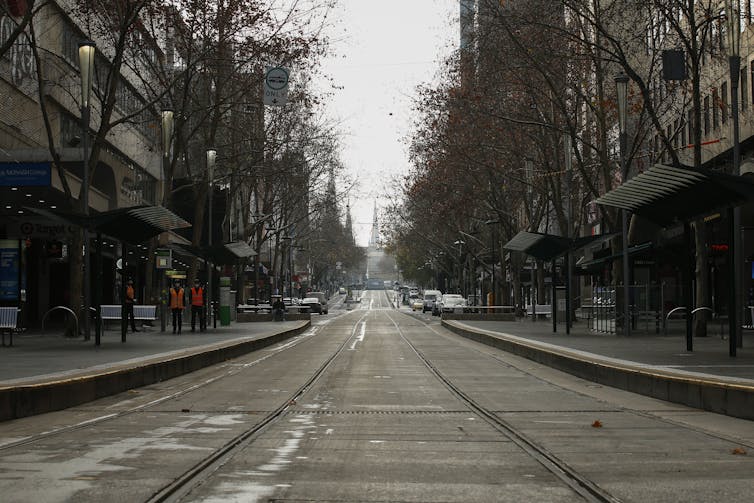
(667, 195)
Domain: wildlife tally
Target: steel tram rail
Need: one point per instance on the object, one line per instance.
(281, 347)
(583, 486)
(183, 484)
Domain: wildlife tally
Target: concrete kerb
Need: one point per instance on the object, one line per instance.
(38, 398)
(727, 398)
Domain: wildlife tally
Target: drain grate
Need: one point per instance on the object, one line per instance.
(381, 412)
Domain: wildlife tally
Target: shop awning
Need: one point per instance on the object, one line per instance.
(667, 195)
(133, 225)
(548, 247)
(222, 253)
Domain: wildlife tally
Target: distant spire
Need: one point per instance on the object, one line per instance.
(374, 237)
(349, 224)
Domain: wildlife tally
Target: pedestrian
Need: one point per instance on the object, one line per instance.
(196, 295)
(130, 300)
(177, 303)
(278, 308)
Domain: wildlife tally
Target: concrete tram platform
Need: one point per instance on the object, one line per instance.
(653, 365)
(44, 371)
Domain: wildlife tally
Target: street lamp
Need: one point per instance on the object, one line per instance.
(460, 243)
(211, 159)
(87, 49)
(621, 85)
(167, 136)
(289, 241)
(732, 19)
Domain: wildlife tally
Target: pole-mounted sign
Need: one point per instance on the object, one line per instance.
(276, 86)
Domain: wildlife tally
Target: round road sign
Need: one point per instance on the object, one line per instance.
(276, 78)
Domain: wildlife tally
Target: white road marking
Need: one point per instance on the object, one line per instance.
(361, 336)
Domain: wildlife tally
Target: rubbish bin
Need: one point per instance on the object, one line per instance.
(225, 301)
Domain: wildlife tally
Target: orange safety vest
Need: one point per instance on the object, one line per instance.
(197, 296)
(176, 298)
(130, 294)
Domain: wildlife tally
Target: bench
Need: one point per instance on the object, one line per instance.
(142, 313)
(8, 321)
(253, 308)
(543, 309)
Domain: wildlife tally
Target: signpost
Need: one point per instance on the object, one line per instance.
(276, 86)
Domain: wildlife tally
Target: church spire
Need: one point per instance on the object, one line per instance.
(374, 237)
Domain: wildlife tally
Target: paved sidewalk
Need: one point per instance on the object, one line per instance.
(37, 356)
(709, 356)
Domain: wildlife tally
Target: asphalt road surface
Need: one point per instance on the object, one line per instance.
(376, 404)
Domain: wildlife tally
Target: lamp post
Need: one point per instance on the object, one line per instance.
(211, 159)
(289, 243)
(621, 85)
(460, 243)
(87, 50)
(569, 223)
(732, 18)
(167, 136)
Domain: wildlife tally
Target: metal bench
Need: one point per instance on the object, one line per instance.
(142, 313)
(8, 321)
(540, 309)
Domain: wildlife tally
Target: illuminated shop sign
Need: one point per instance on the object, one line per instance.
(25, 174)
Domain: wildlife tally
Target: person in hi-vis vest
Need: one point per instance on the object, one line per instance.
(196, 297)
(130, 300)
(177, 303)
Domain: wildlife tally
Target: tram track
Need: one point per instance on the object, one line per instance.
(183, 484)
(231, 371)
(579, 483)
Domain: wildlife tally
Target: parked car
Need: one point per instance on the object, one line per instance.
(313, 303)
(430, 299)
(322, 297)
(452, 303)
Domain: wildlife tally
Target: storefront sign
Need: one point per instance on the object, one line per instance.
(10, 259)
(40, 227)
(25, 174)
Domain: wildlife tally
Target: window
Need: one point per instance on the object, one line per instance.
(706, 115)
(715, 108)
(690, 124)
(724, 102)
(683, 135)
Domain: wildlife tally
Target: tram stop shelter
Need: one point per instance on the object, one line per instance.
(548, 248)
(667, 196)
(131, 226)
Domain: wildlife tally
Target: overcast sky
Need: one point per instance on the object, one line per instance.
(383, 50)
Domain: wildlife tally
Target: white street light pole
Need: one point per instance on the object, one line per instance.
(211, 159)
(167, 136)
(87, 49)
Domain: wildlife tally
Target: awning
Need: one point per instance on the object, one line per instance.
(223, 253)
(133, 225)
(668, 195)
(548, 247)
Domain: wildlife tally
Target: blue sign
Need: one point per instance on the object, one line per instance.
(10, 261)
(25, 174)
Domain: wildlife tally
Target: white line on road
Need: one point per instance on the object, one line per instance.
(360, 338)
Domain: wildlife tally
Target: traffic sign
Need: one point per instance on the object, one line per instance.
(276, 86)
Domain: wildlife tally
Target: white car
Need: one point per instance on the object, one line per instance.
(452, 303)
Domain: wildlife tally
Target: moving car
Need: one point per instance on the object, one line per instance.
(430, 299)
(322, 297)
(313, 303)
(417, 303)
(452, 303)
